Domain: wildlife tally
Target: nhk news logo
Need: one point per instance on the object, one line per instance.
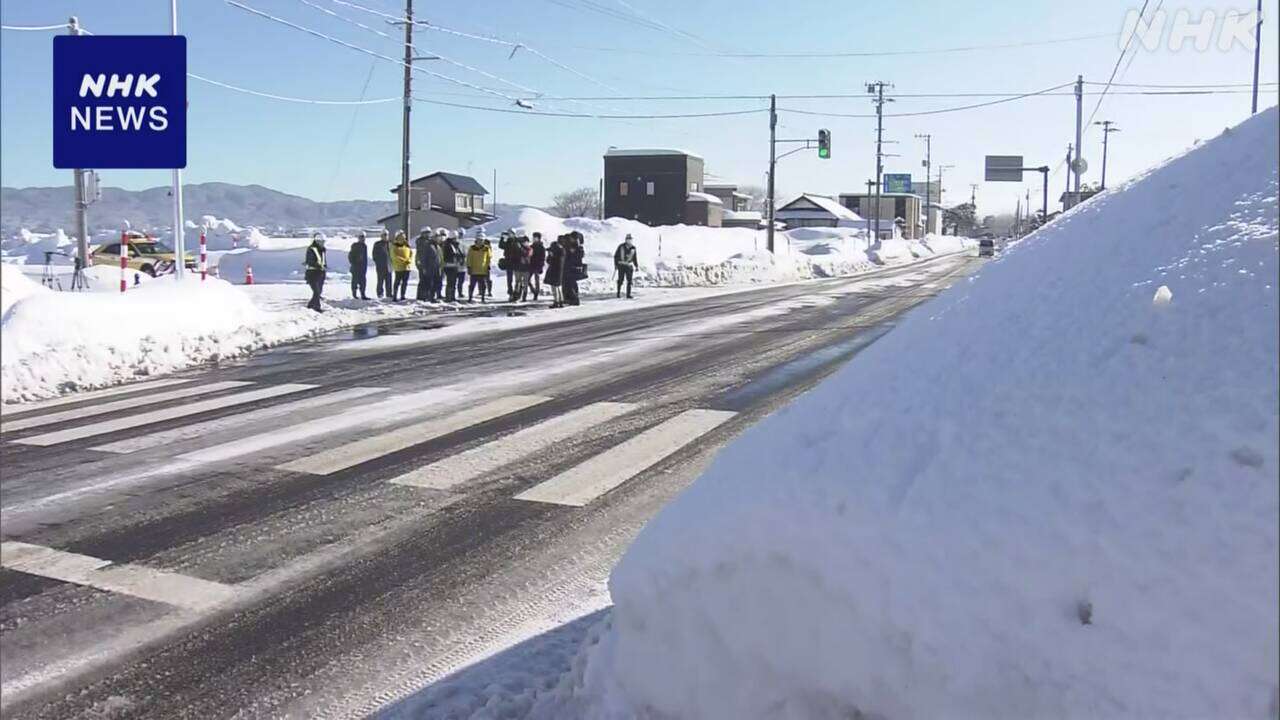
(119, 101)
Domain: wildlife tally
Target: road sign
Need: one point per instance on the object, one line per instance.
(120, 101)
(1079, 166)
(897, 182)
(1004, 168)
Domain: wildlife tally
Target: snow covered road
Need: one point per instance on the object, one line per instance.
(352, 518)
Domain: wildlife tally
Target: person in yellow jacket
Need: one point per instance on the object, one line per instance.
(401, 261)
(479, 255)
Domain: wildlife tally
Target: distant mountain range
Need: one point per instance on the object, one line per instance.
(45, 209)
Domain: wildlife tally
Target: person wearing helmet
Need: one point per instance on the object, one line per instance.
(442, 236)
(427, 259)
(479, 256)
(358, 260)
(625, 261)
(382, 263)
(401, 261)
(453, 257)
(315, 269)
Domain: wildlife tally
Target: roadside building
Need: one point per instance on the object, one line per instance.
(1071, 199)
(902, 210)
(654, 186)
(441, 199)
(703, 209)
(810, 210)
(753, 219)
(732, 200)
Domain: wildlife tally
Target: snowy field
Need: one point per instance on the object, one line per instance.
(1063, 505)
(60, 342)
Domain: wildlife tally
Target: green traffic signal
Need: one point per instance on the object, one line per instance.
(824, 144)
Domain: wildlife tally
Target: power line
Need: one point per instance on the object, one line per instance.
(287, 98)
(857, 53)
(930, 112)
(677, 116)
(366, 51)
(1142, 12)
(896, 95)
(62, 26)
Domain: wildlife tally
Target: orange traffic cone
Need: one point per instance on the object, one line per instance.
(248, 274)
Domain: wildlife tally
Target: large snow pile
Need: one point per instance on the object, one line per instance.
(59, 342)
(14, 286)
(1051, 492)
(30, 247)
(219, 234)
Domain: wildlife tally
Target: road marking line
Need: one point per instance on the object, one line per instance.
(208, 427)
(466, 466)
(147, 418)
(589, 480)
(354, 453)
(147, 583)
(9, 412)
(128, 404)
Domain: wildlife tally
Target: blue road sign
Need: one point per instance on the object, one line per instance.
(897, 182)
(120, 101)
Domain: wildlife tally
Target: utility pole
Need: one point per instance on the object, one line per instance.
(179, 238)
(877, 88)
(928, 190)
(773, 164)
(495, 192)
(1257, 55)
(1075, 168)
(943, 228)
(1108, 127)
(408, 105)
(81, 202)
(973, 197)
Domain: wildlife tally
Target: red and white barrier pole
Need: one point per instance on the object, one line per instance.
(124, 260)
(235, 241)
(248, 274)
(204, 257)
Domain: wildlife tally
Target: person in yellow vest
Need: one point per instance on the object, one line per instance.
(401, 261)
(479, 256)
(315, 269)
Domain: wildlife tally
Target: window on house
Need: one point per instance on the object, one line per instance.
(693, 187)
(622, 188)
(477, 202)
(648, 188)
(461, 201)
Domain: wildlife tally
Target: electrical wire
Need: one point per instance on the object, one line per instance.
(287, 98)
(929, 112)
(859, 53)
(677, 116)
(366, 51)
(1142, 12)
(33, 28)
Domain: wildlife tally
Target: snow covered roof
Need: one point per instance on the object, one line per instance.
(640, 152)
(743, 215)
(819, 203)
(720, 186)
(704, 197)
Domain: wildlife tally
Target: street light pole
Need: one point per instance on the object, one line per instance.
(773, 164)
(1108, 127)
(179, 238)
(408, 106)
(1079, 130)
(928, 189)
(878, 89)
(1257, 55)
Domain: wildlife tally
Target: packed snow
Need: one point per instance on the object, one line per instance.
(1050, 492)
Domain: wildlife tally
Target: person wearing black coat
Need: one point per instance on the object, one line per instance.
(358, 259)
(454, 261)
(509, 246)
(575, 269)
(382, 263)
(625, 260)
(315, 269)
(426, 258)
(537, 263)
(555, 271)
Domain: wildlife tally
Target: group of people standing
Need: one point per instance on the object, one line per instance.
(443, 266)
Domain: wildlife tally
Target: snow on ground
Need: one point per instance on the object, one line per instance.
(57, 342)
(1050, 492)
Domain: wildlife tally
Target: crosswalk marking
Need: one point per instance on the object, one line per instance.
(132, 421)
(354, 453)
(477, 461)
(588, 480)
(209, 427)
(171, 588)
(25, 408)
(107, 407)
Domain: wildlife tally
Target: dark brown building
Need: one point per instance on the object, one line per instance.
(651, 186)
(441, 199)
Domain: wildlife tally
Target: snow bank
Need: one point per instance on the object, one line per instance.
(220, 234)
(58, 342)
(14, 286)
(1042, 495)
(30, 247)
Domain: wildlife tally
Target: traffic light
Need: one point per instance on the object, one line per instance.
(824, 144)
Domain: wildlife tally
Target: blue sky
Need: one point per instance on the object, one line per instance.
(636, 47)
